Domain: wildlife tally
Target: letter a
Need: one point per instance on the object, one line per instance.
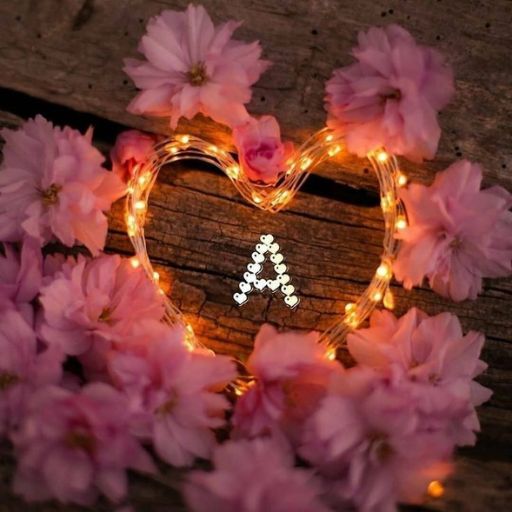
(281, 282)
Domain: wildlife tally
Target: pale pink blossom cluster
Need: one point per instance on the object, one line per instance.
(457, 233)
(192, 66)
(90, 377)
(391, 96)
(131, 148)
(53, 186)
(374, 434)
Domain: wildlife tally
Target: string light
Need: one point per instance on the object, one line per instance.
(389, 300)
(401, 223)
(334, 150)
(306, 162)
(135, 263)
(350, 307)
(377, 296)
(317, 149)
(156, 276)
(233, 171)
(241, 387)
(331, 354)
(384, 271)
(143, 179)
(386, 203)
(256, 198)
(435, 489)
(382, 156)
(352, 320)
(140, 205)
(401, 180)
(283, 197)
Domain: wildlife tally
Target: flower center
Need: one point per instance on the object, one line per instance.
(105, 315)
(51, 195)
(168, 405)
(456, 243)
(197, 76)
(379, 444)
(434, 379)
(81, 440)
(394, 95)
(7, 380)
(291, 393)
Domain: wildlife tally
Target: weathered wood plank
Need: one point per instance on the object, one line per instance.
(71, 51)
(201, 254)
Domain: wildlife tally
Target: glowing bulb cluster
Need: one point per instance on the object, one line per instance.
(318, 148)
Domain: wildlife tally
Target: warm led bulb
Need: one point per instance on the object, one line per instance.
(282, 198)
(140, 205)
(435, 489)
(386, 202)
(233, 171)
(382, 156)
(377, 296)
(185, 139)
(401, 180)
(350, 307)
(383, 270)
(334, 150)
(143, 179)
(256, 198)
(135, 262)
(329, 137)
(389, 300)
(306, 162)
(331, 354)
(401, 223)
(352, 320)
(156, 276)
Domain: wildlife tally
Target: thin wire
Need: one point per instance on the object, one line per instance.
(272, 198)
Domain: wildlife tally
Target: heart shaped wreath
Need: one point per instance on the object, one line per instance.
(91, 379)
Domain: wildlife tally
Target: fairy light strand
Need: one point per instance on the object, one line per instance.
(320, 147)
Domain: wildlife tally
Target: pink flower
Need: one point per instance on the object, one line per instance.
(391, 96)
(95, 303)
(23, 368)
(74, 446)
(131, 148)
(52, 185)
(432, 353)
(291, 373)
(21, 275)
(193, 66)
(457, 233)
(173, 393)
(255, 476)
(58, 263)
(367, 441)
(261, 153)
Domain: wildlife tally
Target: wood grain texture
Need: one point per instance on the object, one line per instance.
(200, 233)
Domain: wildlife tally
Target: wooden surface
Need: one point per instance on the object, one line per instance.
(63, 58)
